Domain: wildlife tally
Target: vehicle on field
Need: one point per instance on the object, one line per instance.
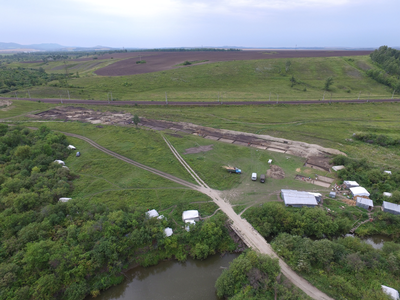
(233, 169)
(262, 178)
(254, 176)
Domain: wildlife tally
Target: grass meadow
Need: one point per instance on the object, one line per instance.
(253, 80)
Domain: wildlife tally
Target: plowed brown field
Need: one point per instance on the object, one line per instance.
(160, 61)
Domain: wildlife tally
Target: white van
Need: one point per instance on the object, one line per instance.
(254, 176)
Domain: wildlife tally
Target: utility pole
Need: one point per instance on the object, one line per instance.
(269, 96)
(323, 97)
(29, 93)
(331, 96)
(16, 96)
(277, 98)
(68, 95)
(393, 93)
(111, 97)
(108, 97)
(359, 95)
(166, 98)
(61, 99)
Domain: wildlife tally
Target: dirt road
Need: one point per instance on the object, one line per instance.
(248, 234)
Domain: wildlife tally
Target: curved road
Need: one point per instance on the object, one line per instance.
(249, 235)
(197, 103)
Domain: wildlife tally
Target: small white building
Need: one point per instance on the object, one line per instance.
(270, 161)
(70, 147)
(359, 191)
(364, 203)
(391, 292)
(190, 215)
(386, 194)
(295, 198)
(350, 184)
(64, 199)
(168, 232)
(391, 208)
(60, 162)
(152, 214)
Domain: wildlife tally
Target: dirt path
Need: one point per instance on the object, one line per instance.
(248, 234)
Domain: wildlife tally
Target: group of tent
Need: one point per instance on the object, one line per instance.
(61, 162)
(190, 217)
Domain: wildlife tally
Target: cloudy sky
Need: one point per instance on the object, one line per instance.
(171, 23)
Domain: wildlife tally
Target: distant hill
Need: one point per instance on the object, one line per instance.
(46, 47)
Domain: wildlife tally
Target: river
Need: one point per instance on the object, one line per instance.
(375, 240)
(193, 279)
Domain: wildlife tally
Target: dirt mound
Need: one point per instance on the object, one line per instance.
(198, 149)
(276, 172)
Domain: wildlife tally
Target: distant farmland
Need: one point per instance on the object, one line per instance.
(161, 61)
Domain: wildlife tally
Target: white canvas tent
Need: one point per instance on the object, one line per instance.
(364, 203)
(359, 191)
(64, 199)
(337, 168)
(388, 172)
(298, 199)
(168, 232)
(391, 208)
(350, 184)
(152, 214)
(190, 215)
(70, 147)
(391, 292)
(386, 194)
(60, 162)
(188, 223)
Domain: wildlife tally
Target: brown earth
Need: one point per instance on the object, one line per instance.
(198, 149)
(276, 172)
(5, 105)
(160, 61)
(319, 163)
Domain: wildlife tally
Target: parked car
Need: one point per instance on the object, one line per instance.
(254, 176)
(262, 178)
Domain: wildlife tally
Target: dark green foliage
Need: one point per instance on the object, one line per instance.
(140, 62)
(55, 250)
(347, 268)
(136, 120)
(328, 83)
(380, 139)
(389, 60)
(13, 79)
(369, 176)
(186, 63)
(273, 218)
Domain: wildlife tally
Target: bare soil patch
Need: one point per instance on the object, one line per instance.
(168, 60)
(199, 149)
(276, 172)
(319, 163)
(5, 105)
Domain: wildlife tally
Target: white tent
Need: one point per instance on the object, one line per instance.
(66, 167)
(64, 199)
(359, 191)
(168, 232)
(364, 203)
(152, 214)
(161, 217)
(270, 161)
(351, 184)
(391, 292)
(386, 194)
(70, 147)
(190, 215)
(60, 162)
(337, 168)
(388, 172)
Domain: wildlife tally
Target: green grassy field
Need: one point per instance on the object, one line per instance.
(255, 80)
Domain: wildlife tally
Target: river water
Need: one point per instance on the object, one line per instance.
(375, 240)
(193, 279)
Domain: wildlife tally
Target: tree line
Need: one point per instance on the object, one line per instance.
(56, 250)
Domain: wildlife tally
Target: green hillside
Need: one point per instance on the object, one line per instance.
(255, 80)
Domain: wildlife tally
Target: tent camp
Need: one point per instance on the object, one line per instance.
(295, 198)
(391, 292)
(190, 215)
(391, 208)
(364, 203)
(359, 191)
(152, 214)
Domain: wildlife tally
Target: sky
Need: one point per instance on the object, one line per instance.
(197, 23)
